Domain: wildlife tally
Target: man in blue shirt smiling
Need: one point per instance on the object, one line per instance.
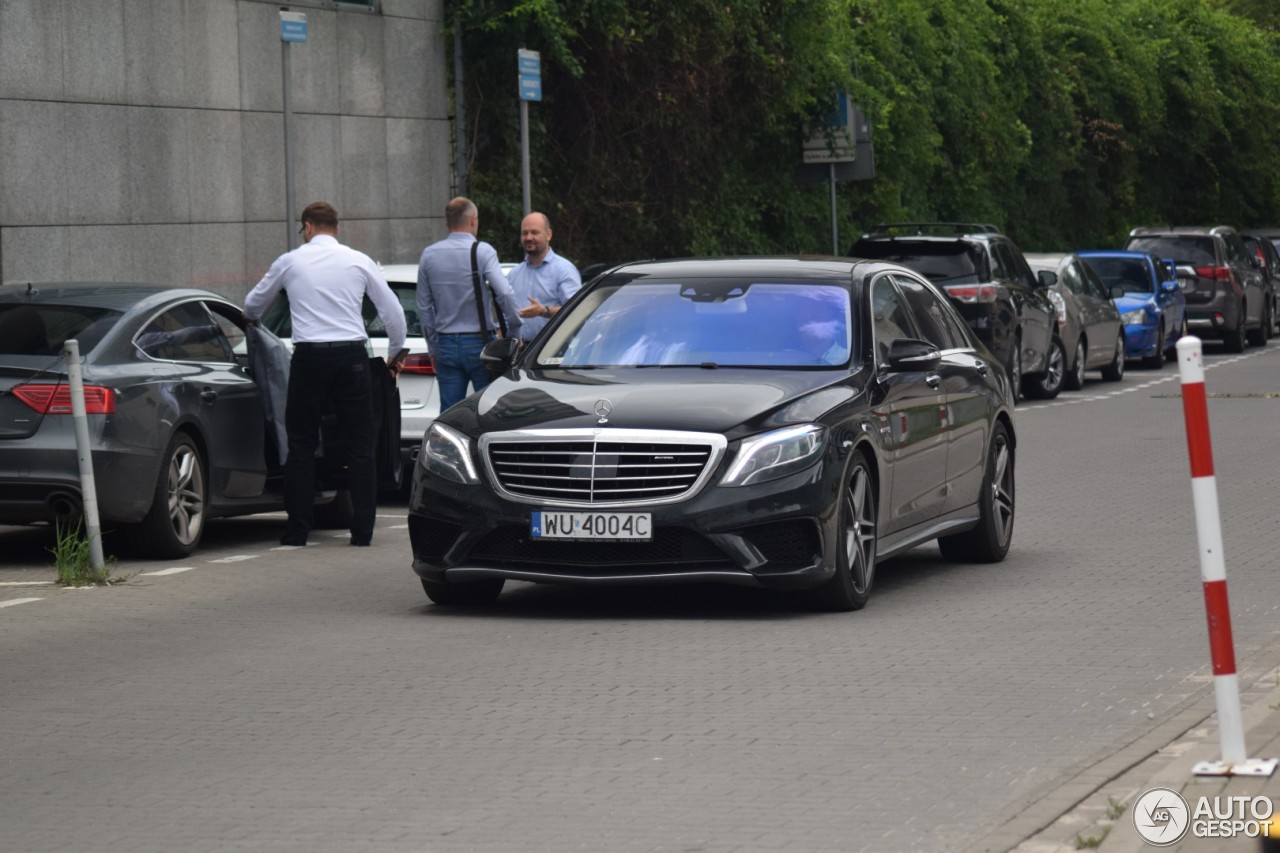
(544, 279)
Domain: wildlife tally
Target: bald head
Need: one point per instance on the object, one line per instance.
(460, 214)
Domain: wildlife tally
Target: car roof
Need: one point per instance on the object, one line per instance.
(1190, 230)
(112, 295)
(1046, 260)
(798, 266)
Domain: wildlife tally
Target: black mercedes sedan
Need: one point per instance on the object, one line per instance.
(777, 422)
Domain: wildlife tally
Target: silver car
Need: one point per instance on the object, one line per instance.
(1088, 333)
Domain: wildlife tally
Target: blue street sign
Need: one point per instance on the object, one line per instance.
(529, 65)
(293, 26)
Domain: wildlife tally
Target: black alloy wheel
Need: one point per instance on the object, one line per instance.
(1014, 367)
(1172, 352)
(989, 541)
(1258, 337)
(1156, 360)
(850, 586)
(1233, 341)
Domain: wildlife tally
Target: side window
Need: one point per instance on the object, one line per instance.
(1236, 253)
(223, 316)
(1001, 268)
(1069, 275)
(930, 314)
(889, 317)
(185, 332)
(1095, 285)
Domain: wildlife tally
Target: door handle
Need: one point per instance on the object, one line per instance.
(208, 395)
(933, 380)
(981, 367)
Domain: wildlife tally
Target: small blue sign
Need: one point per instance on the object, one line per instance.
(293, 26)
(529, 65)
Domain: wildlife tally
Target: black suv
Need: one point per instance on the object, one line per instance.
(986, 277)
(1227, 293)
(1262, 245)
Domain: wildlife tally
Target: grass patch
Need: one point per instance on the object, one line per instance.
(1115, 808)
(1090, 842)
(73, 558)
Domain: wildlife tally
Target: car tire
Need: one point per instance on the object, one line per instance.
(337, 514)
(1258, 337)
(1156, 360)
(174, 524)
(1172, 352)
(1233, 341)
(1014, 367)
(1047, 385)
(1114, 371)
(989, 541)
(1073, 379)
(472, 593)
(858, 520)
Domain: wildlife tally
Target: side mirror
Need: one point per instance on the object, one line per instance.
(498, 355)
(907, 354)
(1117, 291)
(1169, 286)
(1047, 278)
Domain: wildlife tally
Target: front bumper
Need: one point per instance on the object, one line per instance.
(1140, 341)
(777, 534)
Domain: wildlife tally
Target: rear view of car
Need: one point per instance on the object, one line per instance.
(987, 279)
(1224, 289)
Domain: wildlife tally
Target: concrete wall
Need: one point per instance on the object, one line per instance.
(143, 140)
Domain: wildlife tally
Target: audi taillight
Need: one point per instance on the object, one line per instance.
(1214, 273)
(972, 292)
(56, 399)
(421, 364)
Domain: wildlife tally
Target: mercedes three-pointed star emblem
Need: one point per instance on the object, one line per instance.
(603, 408)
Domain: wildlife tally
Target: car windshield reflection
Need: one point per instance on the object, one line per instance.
(705, 323)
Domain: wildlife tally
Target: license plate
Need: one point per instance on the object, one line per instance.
(598, 526)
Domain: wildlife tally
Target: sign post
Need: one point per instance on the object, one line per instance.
(834, 142)
(529, 63)
(293, 28)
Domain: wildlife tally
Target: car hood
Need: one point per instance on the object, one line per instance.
(1133, 301)
(652, 398)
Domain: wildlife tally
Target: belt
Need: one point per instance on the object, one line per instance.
(463, 334)
(327, 344)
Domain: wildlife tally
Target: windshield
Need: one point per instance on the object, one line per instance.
(704, 323)
(27, 329)
(1129, 273)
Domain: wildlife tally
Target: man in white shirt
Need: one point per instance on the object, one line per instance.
(544, 280)
(326, 283)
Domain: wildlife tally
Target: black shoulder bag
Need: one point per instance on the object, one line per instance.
(496, 358)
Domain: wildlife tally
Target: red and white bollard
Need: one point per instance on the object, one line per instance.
(1213, 574)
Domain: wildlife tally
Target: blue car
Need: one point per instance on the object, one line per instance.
(1153, 308)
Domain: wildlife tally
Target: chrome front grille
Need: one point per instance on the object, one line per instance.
(600, 467)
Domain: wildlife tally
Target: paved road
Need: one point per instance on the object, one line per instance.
(312, 700)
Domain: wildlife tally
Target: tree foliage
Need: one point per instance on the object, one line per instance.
(674, 127)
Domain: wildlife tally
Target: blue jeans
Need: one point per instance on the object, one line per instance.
(457, 360)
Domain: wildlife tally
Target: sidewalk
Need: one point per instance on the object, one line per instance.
(1103, 819)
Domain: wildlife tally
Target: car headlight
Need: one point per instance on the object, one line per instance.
(447, 453)
(775, 454)
(1059, 306)
(1134, 318)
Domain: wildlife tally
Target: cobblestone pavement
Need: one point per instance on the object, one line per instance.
(312, 700)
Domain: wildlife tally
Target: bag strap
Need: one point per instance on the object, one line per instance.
(475, 285)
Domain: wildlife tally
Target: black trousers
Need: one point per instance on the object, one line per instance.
(323, 379)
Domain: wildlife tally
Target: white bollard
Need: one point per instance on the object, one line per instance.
(1213, 573)
(88, 488)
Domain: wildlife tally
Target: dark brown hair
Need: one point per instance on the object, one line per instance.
(321, 214)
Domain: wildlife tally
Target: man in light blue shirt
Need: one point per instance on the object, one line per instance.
(454, 322)
(544, 280)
